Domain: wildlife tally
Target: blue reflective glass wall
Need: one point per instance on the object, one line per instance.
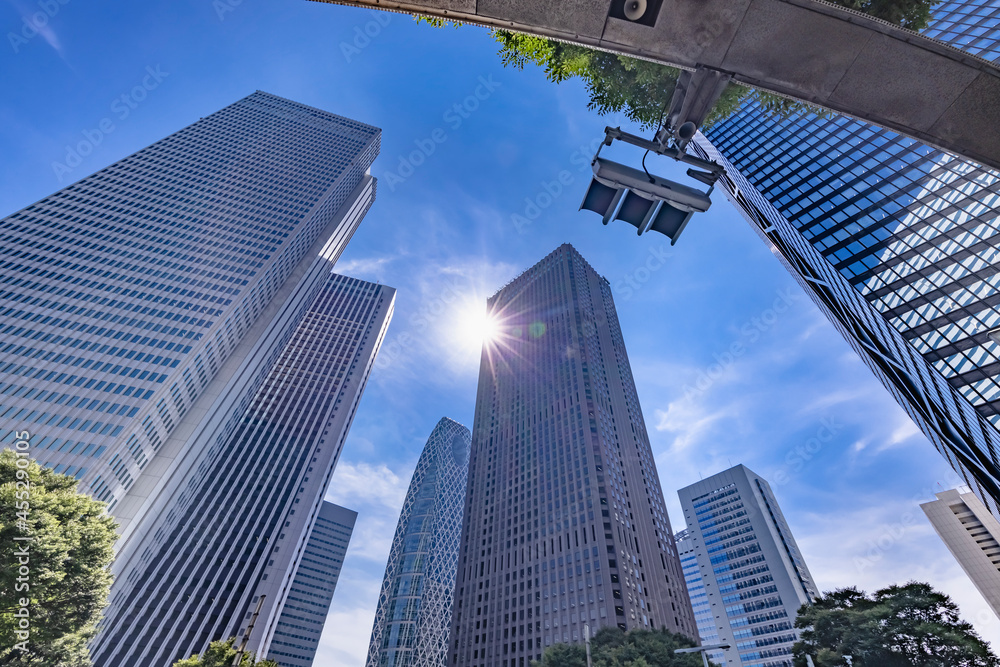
(913, 230)
(414, 608)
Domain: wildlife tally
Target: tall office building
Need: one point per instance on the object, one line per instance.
(753, 575)
(145, 306)
(297, 632)
(708, 632)
(414, 607)
(127, 294)
(235, 529)
(972, 535)
(897, 243)
(565, 523)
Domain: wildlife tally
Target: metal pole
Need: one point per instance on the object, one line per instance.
(586, 641)
(704, 658)
(238, 658)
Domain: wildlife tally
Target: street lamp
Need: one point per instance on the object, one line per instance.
(703, 649)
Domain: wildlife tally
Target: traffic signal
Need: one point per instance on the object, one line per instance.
(647, 202)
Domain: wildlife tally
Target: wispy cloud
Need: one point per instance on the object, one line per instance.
(348, 625)
(689, 420)
(434, 334)
(369, 268)
(36, 20)
(885, 541)
(365, 484)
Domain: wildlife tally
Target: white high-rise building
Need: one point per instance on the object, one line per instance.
(297, 633)
(232, 526)
(972, 534)
(173, 336)
(129, 295)
(753, 576)
(708, 633)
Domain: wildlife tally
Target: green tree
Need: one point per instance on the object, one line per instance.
(611, 647)
(221, 654)
(61, 572)
(898, 626)
(910, 14)
(638, 88)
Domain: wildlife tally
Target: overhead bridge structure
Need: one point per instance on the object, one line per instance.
(809, 50)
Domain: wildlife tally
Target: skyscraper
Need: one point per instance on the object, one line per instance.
(897, 243)
(414, 607)
(145, 307)
(972, 535)
(754, 576)
(297, 632)
(234, 529)
(708, 633)
(124, 294)
(564, 523)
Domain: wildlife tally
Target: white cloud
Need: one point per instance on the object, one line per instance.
(887, 541)
(687, 418)
(904, 433)
(355, 484)
(371, 268)
(345, 638)
(372, 537)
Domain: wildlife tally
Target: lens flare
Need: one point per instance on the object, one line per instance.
(477, 326)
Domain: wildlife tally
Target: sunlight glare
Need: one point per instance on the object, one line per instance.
(478, 327)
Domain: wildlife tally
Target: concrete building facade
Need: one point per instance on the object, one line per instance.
(564, 522)
(238, 526)
(972, 535)
(751, 571)
(297, 632)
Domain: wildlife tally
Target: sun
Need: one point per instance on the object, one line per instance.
(477, 326)
(462, 328)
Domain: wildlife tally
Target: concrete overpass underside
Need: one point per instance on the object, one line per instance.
(809, 50)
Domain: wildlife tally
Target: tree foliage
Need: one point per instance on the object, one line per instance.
(638, 88)
(898, 626)
(221, 654)
(910, 14)
(67, 562)
(611, 647)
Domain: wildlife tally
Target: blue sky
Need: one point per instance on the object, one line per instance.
(443, 232)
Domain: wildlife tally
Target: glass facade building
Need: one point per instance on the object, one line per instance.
(748, 575)
(898, 244)
(564, 522)
(414, 607)
(297, 632)
(123, 295)
(708, 633)
(165, 314)
(240, 524)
